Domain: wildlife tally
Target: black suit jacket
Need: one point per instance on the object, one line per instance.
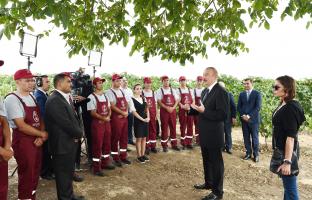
(62, 124)
(211, 121)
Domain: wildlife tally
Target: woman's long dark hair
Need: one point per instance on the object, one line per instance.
(289, 85)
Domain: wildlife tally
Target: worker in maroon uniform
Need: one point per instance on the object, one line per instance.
(150, 97)
(186, 121)
(168, 101)
(28, 133)
(100, 111)
(119, 121)
(197, 95)
(5, 152)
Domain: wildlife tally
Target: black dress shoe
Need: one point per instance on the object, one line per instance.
(190, 147)
(154, 150)
(78, 198)
(247, 157)
(176, 148)
(101, 174)
(77, 178)
(256, 159)
(147, 151)
(129, 150)
(202, 187)
(126, 161)
(165, 149)
(109, 167)
(212, 196)
(117, 163)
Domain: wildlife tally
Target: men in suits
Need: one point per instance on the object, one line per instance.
(229, 122)
(248, 106)
(213, 112)
(23, 115)
(64, 131)
(41, 95)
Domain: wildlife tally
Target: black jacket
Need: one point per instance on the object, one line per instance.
(211, 121)
(62, 124)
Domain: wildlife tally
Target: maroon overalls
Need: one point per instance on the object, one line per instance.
(186, 121)
(27, 155)
(197, 102)
(3, 171)
(168, 119)
(119, 125)
(101, 136)
(151, 138)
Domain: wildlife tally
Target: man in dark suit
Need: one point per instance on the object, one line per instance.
(213, 112)
(41, 95)
(64, 131)
(229, 122)
(248, 106)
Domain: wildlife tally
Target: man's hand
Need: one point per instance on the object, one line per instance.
(125, 114)
(233, 121)
(38, 142)
(200, 108)
(147, 120)
(170, 109)
(106, 119)
(44, 135)
(187, 107)
(78, 98)
(7, 154)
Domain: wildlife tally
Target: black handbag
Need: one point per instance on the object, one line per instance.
(278, 157)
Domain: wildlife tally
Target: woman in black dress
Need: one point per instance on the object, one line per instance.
(287, 119)
(140, 123)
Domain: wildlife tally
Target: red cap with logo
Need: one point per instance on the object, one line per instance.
(68, 74)
(23, 73)
(164, 77)
(182, 78)
(147, 80)
(116, 77)
(200, 78)
(98, 79)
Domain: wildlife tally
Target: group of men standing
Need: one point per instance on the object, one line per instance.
(41, 117)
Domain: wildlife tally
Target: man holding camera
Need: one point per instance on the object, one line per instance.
(28, 133)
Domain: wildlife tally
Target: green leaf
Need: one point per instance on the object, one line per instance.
(267, 25)
(258, 5)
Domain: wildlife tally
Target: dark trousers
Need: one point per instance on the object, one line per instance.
(130, 125)
(64, 170)
(213, 169)
(228, 135)
(47, 165)
(251, 138)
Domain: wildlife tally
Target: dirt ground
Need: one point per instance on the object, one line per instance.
(172, 176)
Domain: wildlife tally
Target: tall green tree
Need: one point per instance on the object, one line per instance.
(176, 30)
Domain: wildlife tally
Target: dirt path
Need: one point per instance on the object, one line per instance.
(172, 176)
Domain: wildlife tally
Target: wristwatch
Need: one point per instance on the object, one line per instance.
(288, 162)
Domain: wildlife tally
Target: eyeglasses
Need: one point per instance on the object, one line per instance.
(276, 87)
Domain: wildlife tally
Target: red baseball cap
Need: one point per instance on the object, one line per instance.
(68, 74)
(147, 80)
(116, 77)
(200, 78)
(23, 73)
(164, 77)
(182, 78)
(98, 79)
(1, 62)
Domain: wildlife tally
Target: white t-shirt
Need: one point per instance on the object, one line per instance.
(128, 92)
(185, 91)
(2, 110)
(149, 94)
(92, 103)
(111, 96)
(198, 92)
(14, 108)
(159, 94)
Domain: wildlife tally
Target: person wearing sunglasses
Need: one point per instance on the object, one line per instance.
(286, 120)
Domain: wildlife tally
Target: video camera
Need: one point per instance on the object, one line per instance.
(82, 84)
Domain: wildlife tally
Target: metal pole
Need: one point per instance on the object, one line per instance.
(28, 63)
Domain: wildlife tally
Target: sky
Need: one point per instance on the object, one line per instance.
(285, 49)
